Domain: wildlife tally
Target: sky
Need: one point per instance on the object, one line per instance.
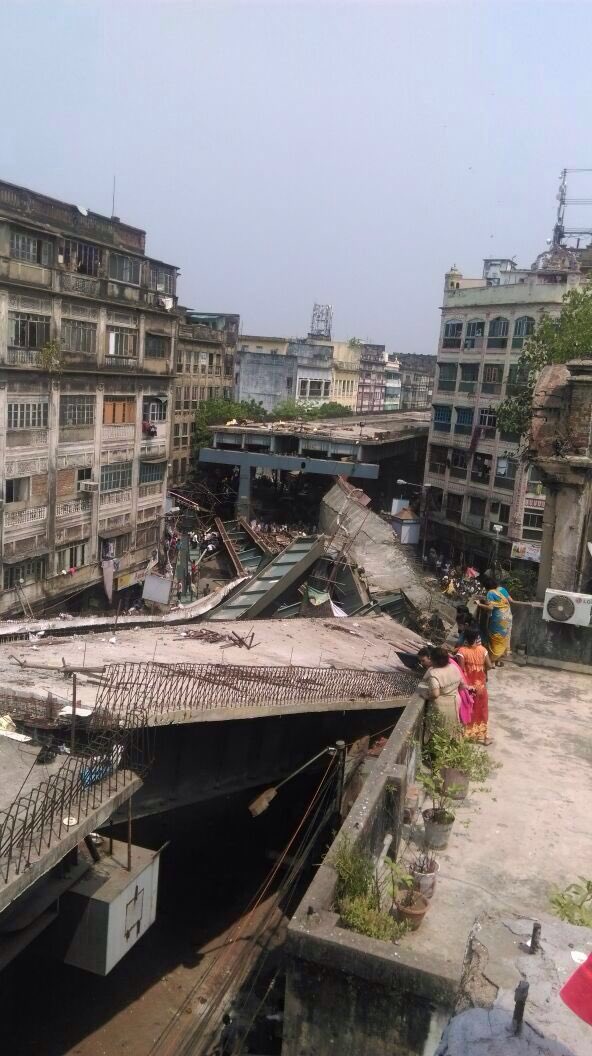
(283, 153)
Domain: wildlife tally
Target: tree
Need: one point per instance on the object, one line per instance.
(290, 411)
(219, 411)
(556, 340)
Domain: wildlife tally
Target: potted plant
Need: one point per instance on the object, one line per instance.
(458, 761)
(424, 870)
(409, 904)
(439, 818)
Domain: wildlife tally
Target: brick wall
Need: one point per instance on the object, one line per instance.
(39, 486)
(66, 482)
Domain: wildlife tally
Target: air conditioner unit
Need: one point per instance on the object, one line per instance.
(562, 606)
(89, 486)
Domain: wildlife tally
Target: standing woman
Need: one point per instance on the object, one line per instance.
(499, 625)
(476, 664)
(443, 682)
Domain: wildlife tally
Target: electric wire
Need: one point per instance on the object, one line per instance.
(245, 918)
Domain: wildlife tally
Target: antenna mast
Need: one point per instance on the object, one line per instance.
(322, 319)
(559, 231)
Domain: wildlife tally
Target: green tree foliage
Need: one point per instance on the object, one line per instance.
(220, 411)
(556, 340)
(290, 410)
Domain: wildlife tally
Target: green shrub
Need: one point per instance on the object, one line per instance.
(361, 915)
(574, 903)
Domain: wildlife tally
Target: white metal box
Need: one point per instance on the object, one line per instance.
(563, 606)
(109, 909)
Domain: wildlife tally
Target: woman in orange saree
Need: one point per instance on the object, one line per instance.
(476, 664)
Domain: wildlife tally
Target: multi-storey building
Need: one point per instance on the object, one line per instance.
(392, 383)
(475, 478)
(346, 373)
(371, 385)
(87, 335)
(204, 367)
(417, 381)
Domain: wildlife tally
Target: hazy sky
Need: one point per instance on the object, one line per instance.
(281, 153)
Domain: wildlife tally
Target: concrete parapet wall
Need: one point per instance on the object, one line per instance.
(346, 993)
(547, 643)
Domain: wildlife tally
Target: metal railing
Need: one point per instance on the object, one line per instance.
(29, 516)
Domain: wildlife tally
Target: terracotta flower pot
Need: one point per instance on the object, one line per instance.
(456, 782)
(438, 826)
(425, 883)
(415, 912)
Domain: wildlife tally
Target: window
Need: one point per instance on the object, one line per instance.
(438, 459)
(532, 525)
(124, 269)
(303, 388)
(535, 480)
(187, 397)
(162, 280)
(469, 376)
(122, 342)
(77, 410)
(116, 476)
(194, 397)
(487, 423)
(28, 572)
(326, 388)
(77, 336)
(83, 474)
(475, 333)
(459, 465)
(464, 421)
(175, 469)
(517, 380)
(452, 335)
(154, 410)
(146, 536)
(492, 379)
(176, 436)
(150, 472)
(447, 377)
(523, 328)
(505, 472)
(16, 489)
(481, 469)
(500, 514)
(116, 547)
(442, 418)
(315, 388)
(27, 331)
(27, 415)
(289, 384)
(80, 257)
(157, 346)
(454, 505)
(497, 336)
(118, 410)
(183, 468)
(476, 506)
(71, 557)
(29, 247)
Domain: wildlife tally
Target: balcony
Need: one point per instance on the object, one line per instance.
(25, 271)
(535, 534)
(72, 282)
(23, 357)
(487, 432)
(497, 342)
(446, 385)
(118, 432)
(32, 515)
(145, 491)
(506, 483)
(75, 507)
(451, 342)
(473, 342)
(459, 472)
(116, 498)
(462, 429)
(121, 363)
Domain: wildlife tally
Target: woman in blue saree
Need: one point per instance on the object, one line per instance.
(499, 625)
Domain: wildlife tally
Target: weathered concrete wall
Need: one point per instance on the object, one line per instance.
(552, 642)
(265, 378)
(348, 994)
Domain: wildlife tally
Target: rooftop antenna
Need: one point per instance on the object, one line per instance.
(113, 199)
(559, 231)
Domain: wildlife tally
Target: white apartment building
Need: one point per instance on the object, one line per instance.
(475, 477)
(87, 336)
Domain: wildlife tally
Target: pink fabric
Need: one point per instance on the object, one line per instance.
(465, 699)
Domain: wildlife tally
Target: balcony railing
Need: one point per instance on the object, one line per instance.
(116, 498)
(121, 363)
(118, 432)
(23, 357)
(75, 506)
(32, 515)
(497, 342)
(71, 282)
(506, 483)
(451, 342)
(473, 342)
(155, 488)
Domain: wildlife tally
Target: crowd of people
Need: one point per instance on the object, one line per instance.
(456, 678)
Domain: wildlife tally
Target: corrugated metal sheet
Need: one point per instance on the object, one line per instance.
(271, 582)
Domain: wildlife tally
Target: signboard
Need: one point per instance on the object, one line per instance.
(128, 579)
(527, 551)
(534, 504)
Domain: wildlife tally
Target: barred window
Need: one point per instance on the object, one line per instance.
(116, 547)
(80, 256)
(124, 269)
(29, 572)
(29, 247)
(79, 336)
(156, 346)
(71, 557)
(27, 415)
(154, 410)
(151, 472)
(122, 342)
(77, 410)
(27, 331)
(116, 476)
(176, 436)
(146, 536)
(162, 280)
